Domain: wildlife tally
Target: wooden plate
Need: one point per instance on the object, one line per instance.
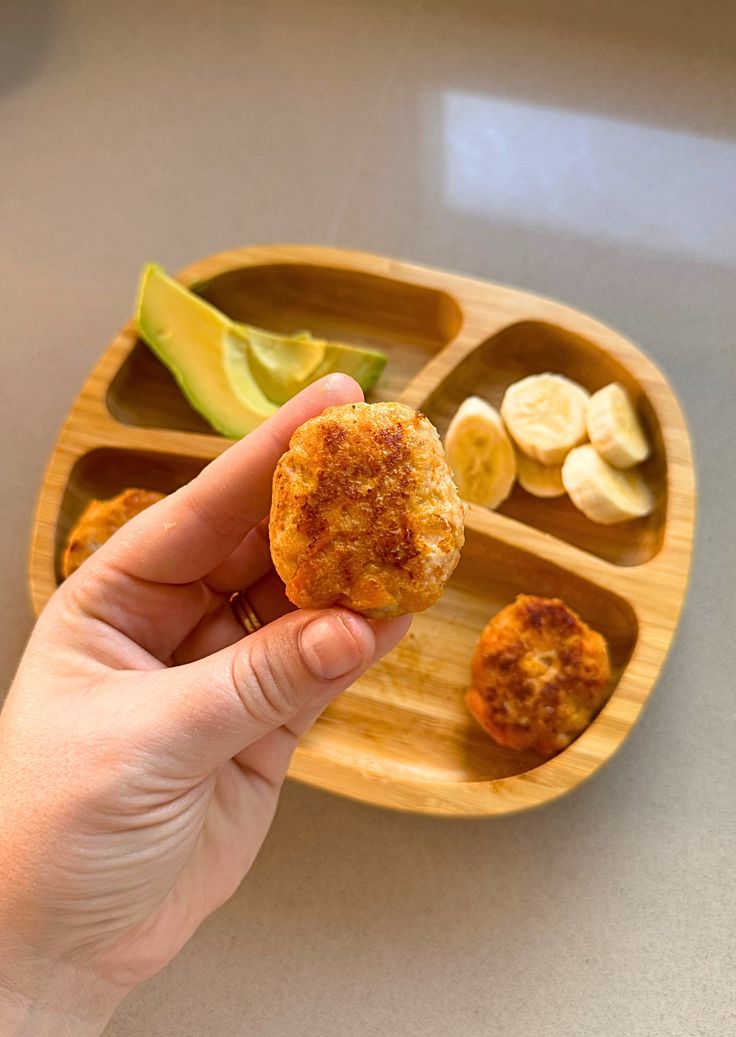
(401, 737)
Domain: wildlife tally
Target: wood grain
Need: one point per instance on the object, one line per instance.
(401, 737)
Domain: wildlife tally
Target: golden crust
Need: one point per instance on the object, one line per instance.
(365, 514)
(99, 520)
(539, 675)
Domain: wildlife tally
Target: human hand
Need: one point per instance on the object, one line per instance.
(144, 741)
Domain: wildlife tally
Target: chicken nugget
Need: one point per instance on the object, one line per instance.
(539, 673)
(365, 514)
(99, 520)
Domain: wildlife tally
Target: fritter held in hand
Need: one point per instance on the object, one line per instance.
(539, 675)
(365, 514)
(99, 520)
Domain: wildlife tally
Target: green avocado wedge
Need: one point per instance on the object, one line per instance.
(206, 352)
(284, 364)
(233, 374)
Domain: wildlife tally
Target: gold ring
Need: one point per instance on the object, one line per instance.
(244, 612)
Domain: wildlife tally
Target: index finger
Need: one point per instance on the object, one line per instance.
(184, 536)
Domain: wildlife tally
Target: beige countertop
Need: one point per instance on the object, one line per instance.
(581, 150)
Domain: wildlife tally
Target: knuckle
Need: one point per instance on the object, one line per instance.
(80, 589)
(264, 689)
(93, 583)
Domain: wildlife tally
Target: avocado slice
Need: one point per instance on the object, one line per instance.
(284, 364)
(233, 374)
(206, 352)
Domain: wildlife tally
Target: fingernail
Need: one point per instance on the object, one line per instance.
(329, 647)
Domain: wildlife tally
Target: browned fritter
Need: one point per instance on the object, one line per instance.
(539, 675)
(99, 520)
(365, 514)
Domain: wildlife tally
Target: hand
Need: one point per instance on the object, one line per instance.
(145, 739)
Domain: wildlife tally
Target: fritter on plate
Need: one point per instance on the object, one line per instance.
(365, 514)
(539, 674)
(99, 520)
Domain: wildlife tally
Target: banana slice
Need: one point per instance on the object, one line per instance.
(603, 493)
(541, 480)
(480, 453)
(545, 415)
(614, 428)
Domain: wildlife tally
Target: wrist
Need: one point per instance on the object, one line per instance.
(66, 1003)
(21, 1018)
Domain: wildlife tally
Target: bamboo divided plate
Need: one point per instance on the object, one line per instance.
(401, 737)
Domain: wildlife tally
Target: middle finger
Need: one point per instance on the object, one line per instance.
(248, 563)
(221, 628)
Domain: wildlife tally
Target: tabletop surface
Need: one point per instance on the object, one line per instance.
(581, 150)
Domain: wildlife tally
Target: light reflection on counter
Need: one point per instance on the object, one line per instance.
(624, 182)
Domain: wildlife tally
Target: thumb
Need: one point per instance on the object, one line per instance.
(207, 711)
